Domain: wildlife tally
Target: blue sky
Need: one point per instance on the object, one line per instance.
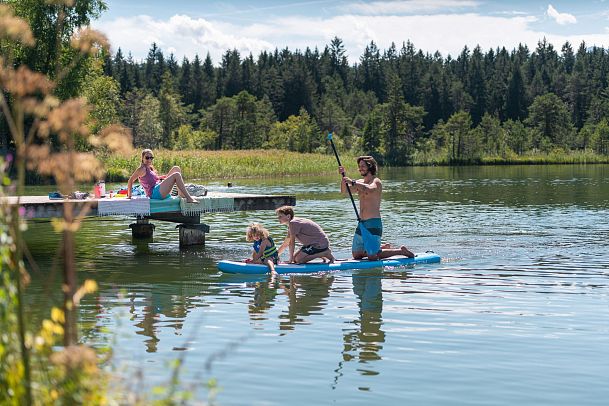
(189, 27)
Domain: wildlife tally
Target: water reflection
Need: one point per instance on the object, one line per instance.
(146, 326)
(523, 291)
(263, 298)
(141, 246)
(363, 338)
(306, 295)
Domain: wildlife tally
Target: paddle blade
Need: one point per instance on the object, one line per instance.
(371, 243)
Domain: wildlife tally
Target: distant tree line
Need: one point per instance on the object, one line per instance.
(400, 104)
(394, 103)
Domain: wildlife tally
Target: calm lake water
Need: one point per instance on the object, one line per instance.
(516, 313)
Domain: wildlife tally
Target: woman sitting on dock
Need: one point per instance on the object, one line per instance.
(155, 186)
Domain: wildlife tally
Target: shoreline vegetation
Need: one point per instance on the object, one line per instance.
(231, 164)
(227, 164)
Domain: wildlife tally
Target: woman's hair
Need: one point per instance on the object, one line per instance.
(370, 163)
(144, 152)
(286, 211)
(256, 230)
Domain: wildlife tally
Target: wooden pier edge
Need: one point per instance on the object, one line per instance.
(191, 230)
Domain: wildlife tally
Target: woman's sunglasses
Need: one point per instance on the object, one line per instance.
(149, 157)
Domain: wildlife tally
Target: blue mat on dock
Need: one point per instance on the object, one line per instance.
(165, 205)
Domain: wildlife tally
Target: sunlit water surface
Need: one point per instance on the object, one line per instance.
(516, 313)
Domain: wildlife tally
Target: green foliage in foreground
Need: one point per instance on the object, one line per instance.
(34, 369)
(228, 164)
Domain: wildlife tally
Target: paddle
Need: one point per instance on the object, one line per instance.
(370, 245)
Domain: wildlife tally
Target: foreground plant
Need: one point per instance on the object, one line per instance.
(45, 131)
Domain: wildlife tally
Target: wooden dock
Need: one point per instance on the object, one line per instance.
(192, 231)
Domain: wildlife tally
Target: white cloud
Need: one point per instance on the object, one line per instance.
(182, 35)
(447, 33)
(511, 13)
(561, 18)
(409, 6)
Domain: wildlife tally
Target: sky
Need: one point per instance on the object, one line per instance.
(197, 27)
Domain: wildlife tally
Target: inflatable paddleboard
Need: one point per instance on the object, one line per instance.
(313, 267)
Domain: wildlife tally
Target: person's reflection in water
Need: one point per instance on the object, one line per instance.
(147, 323)
(307, 295)
(364, 342)
(157, 304)
(264, 295)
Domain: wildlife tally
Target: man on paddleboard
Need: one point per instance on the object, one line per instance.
(369, 190)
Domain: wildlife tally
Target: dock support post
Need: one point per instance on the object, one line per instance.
(141, 228)
(192, 234)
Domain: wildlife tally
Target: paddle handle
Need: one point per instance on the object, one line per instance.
(343, 175)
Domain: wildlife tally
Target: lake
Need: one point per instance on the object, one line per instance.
(517, 312)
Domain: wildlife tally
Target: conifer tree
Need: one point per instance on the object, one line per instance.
(477, 86)
(209, 86)
(515, 100)
(196, 85)
(185, 82)
(338, 60)
(154, 68)
(410, 74)
(231, 73)
(172, 65)
(372, 74)
(172, 113)
(579, 88)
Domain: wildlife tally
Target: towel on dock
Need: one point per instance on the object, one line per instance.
(127, 207)
(207, 205)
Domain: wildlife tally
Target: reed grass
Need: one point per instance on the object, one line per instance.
(529, 158)
(228, 164)
(553, 157)
(196, 164)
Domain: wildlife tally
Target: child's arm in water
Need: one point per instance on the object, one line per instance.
(269, 263)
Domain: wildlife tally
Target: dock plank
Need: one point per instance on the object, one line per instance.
(43, 207)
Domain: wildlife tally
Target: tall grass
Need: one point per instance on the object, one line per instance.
(227, 164)
(558, 156)
(197, 164)
(544, 158)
